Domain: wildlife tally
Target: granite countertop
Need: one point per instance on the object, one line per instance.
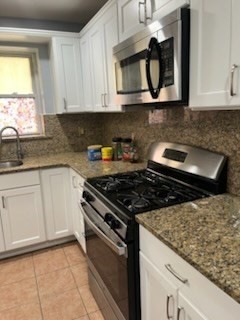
(205, 233)
(77, 161)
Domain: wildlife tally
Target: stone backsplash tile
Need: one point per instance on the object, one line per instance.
(217, 131)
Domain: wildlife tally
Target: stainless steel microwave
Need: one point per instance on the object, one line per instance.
(153, 65)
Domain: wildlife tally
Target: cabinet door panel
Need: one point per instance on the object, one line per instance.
(22, 217)
(67, 78)
(57, 204)
(156, 293)
(130, 13)
(210, 53)
(86, 70)
(188, 310)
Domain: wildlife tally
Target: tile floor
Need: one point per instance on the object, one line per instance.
(49, 284)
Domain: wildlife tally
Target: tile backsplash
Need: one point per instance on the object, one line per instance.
(218, 131)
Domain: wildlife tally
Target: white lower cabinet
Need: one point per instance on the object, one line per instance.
(172, 289)
(78, 222)
(57, 202)
(21, 211)
(158, 294)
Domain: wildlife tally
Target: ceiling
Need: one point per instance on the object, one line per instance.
(60, 11)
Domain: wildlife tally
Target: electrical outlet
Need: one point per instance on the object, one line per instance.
(81, 131)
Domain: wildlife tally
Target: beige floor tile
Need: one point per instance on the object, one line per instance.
(49, 260)
(74, 254)
(80, 274)
(55, 282)
(83, 318)
(15, 294)
(23, 312)
(88, 299)
(16, 269)
(66, 306)
(96, 315)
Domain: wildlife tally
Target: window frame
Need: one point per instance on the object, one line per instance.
(33, 55)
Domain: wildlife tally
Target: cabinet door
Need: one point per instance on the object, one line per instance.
(57, 202)
(66, 56)
(22, 217)
(97, 61)
(235, 54)
(210, 54)
(158, 294)
(131, 17)
(2, 243)
(110, 30)
(78, 223)
(87, 73)
(187, 311)
(157, 9)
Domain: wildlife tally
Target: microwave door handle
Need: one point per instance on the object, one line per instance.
(120, 249)
(154, 92)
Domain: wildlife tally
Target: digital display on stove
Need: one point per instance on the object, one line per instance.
(175, 155)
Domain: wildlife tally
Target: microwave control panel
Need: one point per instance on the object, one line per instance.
(167, 56)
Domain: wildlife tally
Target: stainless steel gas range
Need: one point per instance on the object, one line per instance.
(175, 173)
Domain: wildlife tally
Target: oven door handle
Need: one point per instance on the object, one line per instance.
(120, 250)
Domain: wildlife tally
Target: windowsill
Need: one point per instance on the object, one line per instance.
(27, 138)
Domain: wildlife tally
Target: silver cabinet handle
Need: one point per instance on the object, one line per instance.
(105, 100)
(146, 11)
(102, 100)
(179, 310)
(168, 299)
(170, 269)
(3, 203)
(74, 182)
(65, 104)
(139, 13)
(234, 67)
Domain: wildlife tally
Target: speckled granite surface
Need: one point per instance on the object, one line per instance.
(78, 161)
(205, 233)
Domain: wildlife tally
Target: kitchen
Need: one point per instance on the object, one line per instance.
(211, 129)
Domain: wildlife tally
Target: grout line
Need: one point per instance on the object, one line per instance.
(38, 290)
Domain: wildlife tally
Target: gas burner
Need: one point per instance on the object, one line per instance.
(125, 181)
(134, 202)
(153, 193)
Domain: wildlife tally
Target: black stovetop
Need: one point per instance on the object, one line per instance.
(142, 191)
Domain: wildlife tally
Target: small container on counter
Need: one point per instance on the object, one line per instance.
(126, 149)
(94, 152)
(107, 153)
(117, 148)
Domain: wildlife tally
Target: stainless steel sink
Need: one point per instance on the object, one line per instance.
(10, 164)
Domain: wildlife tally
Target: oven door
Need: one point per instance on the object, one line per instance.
(107, 261)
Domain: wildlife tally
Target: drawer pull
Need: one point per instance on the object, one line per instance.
(3, 203)
(169, 296)
(170, 269)
(179, 312)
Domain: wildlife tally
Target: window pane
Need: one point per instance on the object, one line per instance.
(21, 114)
(15, 75)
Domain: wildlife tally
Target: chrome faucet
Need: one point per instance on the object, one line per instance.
(19, 149)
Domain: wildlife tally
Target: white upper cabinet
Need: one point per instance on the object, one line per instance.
(96, 45)
(215, 55)
(134, 15)
(86, 74)
(67, 74)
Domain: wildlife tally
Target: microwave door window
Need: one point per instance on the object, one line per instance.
(131, 74)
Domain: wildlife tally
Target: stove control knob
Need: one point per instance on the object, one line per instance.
(87, 196)
(108, 218)
(115, 224)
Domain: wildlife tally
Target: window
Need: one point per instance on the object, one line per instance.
(20, 98)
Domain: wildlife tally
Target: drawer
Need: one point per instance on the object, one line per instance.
(19, 179)
(197, 288)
